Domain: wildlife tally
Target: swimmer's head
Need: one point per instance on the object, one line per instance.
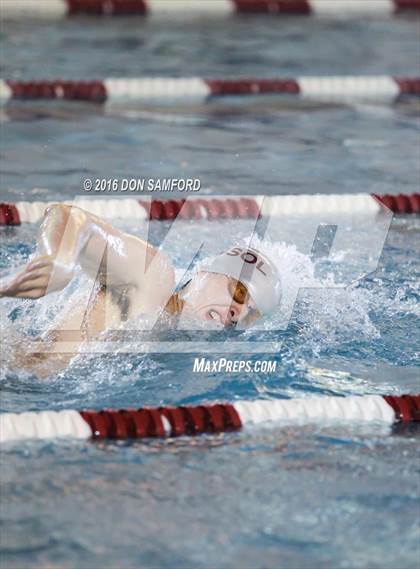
(236, 287)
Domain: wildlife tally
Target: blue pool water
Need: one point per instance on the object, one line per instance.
(295, 498)
(279, 498)
(269, 146)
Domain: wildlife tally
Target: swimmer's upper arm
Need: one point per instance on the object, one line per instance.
(119, 259)
(71, 236)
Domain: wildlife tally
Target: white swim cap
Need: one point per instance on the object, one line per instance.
(253, 269)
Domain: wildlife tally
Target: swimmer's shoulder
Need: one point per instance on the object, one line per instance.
(154, 288)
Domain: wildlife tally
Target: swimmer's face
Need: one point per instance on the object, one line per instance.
(218, 298)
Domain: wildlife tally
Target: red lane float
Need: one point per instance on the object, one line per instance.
(218, 208)
(208, 418)
(184, 90)
(401, 203)
(328, 8)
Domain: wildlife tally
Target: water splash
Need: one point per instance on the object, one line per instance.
(366, 321)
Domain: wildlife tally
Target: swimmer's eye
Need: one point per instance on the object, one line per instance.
(238, 291)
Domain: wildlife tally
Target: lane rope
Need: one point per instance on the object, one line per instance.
(210, 208)
(169, 8)
(207, 418)
(381, 88)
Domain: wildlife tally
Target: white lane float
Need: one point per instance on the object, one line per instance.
(207, 418)
(214, 208)
(17, 9)
(184, 90)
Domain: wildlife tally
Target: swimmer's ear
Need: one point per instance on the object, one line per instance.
(174, 305)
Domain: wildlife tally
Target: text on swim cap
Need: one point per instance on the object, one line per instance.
(248, 257)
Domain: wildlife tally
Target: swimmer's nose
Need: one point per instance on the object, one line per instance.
(230, 316)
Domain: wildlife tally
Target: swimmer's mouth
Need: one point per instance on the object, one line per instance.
(213, 315)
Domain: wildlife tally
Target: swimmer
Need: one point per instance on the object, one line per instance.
(134, 278)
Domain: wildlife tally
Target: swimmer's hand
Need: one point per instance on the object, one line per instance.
(41, 275)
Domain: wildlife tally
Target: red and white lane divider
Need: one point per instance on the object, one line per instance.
(215, 418)
(326, 8)
(328, 89)
(211, 208)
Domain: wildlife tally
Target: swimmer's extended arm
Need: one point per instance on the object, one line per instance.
(69, 237)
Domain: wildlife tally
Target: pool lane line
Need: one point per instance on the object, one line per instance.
(170, 8)
(333, 89)
(165, 421)
(218, 208)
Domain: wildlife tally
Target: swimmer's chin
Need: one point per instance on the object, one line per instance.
(187, 322)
